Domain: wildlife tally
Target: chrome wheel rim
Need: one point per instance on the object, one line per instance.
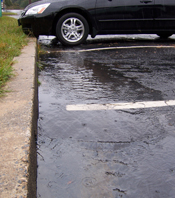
(72, 29)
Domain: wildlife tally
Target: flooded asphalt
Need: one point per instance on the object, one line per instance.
(126, 153)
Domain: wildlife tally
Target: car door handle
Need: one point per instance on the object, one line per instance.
(146, 1)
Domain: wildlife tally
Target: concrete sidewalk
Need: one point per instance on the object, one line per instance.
(18, 128)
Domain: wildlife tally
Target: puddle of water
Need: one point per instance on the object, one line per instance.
(106, 154)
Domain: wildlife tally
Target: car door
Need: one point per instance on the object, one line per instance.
(164, 14)
(124, 15)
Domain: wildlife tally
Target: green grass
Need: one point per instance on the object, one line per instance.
(12, 40)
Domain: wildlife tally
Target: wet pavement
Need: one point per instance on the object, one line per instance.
(17, 12)
(125, 153)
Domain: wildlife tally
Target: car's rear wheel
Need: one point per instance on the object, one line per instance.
(72, 29)
(164, 35)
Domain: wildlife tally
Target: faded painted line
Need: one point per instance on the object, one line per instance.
(112, 48)
(120, 106)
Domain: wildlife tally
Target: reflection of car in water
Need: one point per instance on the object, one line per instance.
(72, 20)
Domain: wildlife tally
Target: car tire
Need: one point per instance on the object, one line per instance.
(164, 35)
(72, 29)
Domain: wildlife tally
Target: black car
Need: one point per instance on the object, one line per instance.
(72, 20)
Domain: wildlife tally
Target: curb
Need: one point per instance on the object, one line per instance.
(18, 128)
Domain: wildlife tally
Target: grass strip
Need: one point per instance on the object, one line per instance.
(8, 13)
(12, 40)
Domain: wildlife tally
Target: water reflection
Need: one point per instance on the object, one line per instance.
(106, 153)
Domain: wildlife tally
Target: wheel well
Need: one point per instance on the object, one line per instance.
(74, 10)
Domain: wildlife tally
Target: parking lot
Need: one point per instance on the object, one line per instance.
(106, 124)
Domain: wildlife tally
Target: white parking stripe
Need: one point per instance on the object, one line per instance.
(127, 47)
(120, 106)
(112, 48)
